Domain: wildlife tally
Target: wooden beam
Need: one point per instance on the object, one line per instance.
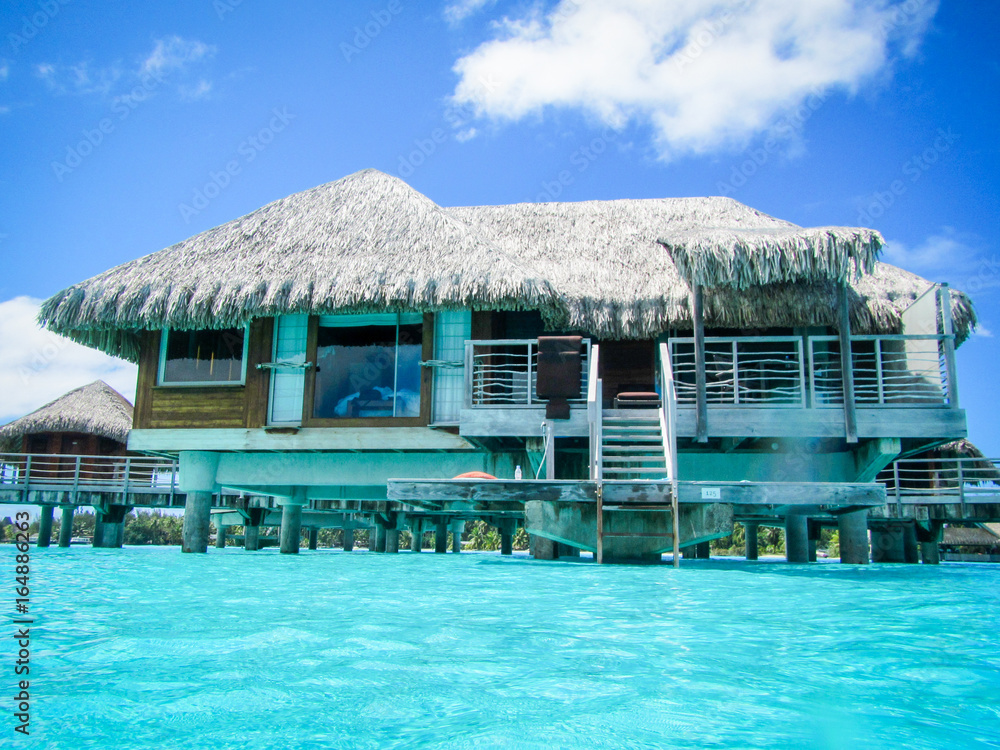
(701, 381)
(847, 367)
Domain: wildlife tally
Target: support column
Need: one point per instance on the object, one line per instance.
(751, 540)
(313, 538)
(703, 550)
(348, 540)
(506, 528)
(797, 539)
(456, 541)
(814, 535)
(852, 529)
(45, 526)
(197, 516)
(690, 552)
(542, 548)
(440, 538)
(98, 540)
(120, 536)
(291, 528)
(911, 552)
(220, 536)
(930, 539)
(379, 537)
(391, 540)
(416, 535)
(66, 526)
(251, 537)
(887, 544)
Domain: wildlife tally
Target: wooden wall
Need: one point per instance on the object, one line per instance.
(179, 407)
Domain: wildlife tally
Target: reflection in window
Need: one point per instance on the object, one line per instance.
(368, 366)
(203, 356)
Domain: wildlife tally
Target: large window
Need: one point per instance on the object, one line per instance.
(203, 357)
(368, 366)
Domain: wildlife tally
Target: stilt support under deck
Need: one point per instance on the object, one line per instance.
(348, 540)
(45, 526)
(291, 528)
(750, 543)
(197, 516)
(797, 538)
(852, 530)
(66, 526)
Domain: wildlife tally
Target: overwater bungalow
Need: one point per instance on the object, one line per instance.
(81, 434)
(637, 375)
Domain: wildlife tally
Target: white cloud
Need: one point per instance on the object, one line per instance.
(200, 90)
(949, 256)
(174, 53)
(37, 366)
(701, 75)
(80, 78)
(458, 11)
(171, 56)
(4, 70)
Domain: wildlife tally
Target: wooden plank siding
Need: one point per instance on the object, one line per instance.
(222, 406)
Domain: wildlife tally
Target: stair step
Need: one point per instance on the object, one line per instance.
(628, 439)
(633, 459)
(635, 449)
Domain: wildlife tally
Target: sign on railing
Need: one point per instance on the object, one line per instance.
(504, 372)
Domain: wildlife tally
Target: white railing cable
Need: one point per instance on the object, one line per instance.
(668, 428)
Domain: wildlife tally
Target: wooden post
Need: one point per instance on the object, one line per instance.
(701, 380)
(948, 329)
(348, 540)
(66, 526)
(313, 538)
(852, 529)
(291, 528)
(251, 537)
(197, 515)
(45, 526)
(599, 555)
(550, 449)
(750, 531)
(847, 367)
(440, 538)
(416, 534)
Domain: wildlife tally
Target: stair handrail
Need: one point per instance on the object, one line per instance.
(668, 431)
(595, 413)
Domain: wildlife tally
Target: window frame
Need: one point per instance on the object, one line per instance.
(162, 363)
(426, 376)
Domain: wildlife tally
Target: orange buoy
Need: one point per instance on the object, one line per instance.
(475, 475)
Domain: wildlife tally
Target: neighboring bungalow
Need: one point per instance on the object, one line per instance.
(668, 366)
(90, 421)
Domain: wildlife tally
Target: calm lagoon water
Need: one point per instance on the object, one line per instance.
(146, 647)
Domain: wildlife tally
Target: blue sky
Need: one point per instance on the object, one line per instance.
(127, 127)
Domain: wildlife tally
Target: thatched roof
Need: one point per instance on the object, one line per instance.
(95, 409)
(976, 536)
(616, 269)
(977, 467)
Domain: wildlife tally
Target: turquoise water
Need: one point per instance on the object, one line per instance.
(146, 647)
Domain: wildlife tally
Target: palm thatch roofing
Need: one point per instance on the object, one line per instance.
(975, 536)
(615, 269)
(977, 467)
(94, 409)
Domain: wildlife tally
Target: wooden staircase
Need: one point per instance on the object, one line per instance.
(632, 444)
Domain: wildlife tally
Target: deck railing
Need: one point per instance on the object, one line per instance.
(799, 372)
(903, 371)
(922, 481)
(504, 372)
(742, 371)
(132, 475)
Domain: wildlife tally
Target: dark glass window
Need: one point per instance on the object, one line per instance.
(368, 366)
(203, 356)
